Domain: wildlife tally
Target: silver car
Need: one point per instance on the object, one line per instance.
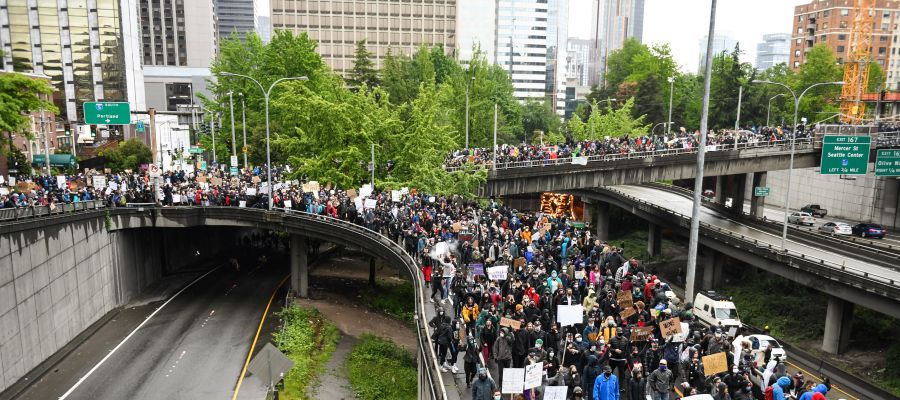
(836, 228)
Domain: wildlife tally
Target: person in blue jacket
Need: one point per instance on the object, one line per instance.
(779, 386)
(606, 386)
(820, 388)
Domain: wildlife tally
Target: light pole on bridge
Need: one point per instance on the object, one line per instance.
(769, 107)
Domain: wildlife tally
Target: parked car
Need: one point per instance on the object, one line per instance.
(713, 309)
(801, 218)
(815, 210)
(763, 342)
(836, 228)
(869, 230)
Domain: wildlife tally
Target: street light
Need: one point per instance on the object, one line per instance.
(467, 110)
(233, 141)
(671, 92)
(787, 193)
(244, 128)
(769, 107)
(266, 97)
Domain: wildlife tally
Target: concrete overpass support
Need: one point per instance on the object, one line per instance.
(738, 191)
(758, 204)
(299, 266)
(654, 240)
(602, 211)
(720, 189)
(713, 264)
(837, 325)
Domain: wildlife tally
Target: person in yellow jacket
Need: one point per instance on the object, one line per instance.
(470, 313)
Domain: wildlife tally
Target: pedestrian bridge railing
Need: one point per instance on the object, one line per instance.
(7, 214)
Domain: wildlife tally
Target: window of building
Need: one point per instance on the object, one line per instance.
(843, 24)
(842, 37)
(796, 64)
(797, 53)
(884, 26)
(840, 49)
(882, 50)
(882, 39)
(824, 25)
(826, 13)
(886, 15)
(800, 18)
(845, 12)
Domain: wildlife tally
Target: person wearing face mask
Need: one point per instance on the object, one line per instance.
(470, 359)
(745, 393)
(660, 381)
(606, 386)
(636, 385)
(483, 388)
(502, 351)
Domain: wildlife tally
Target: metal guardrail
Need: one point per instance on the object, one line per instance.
(8, 214)
(841, 273)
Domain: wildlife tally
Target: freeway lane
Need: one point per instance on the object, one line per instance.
(193, 348)
(683, 205)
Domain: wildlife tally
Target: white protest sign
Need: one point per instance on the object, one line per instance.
(4, 191)
(358, 202)
(251, 191)
(404, 190)
(555, 392)
(1, 179)
(114, 186)
(579, 274)
(288, 204)
(534, 374)
(61, 181)
(395, 196)
(579, 160)
(365, 190)
(371, 203)
(513, 380)
(682, 336)
(176, 198)
(569, 315)
(497, 272)
(431, 199)
(99, 181)
(242, 203)
(12, 181)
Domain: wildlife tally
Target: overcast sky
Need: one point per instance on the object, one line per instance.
(683, 23)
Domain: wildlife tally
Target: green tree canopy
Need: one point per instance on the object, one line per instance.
(20, 95)
(363, 72)
(130, 154)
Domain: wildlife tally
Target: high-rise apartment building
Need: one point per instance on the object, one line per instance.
(830, 22)
(90, 49)
(773, 50)
(400, 26)
(722, 43)
(557, 42)
(612, 22)
(577, 61)
(235, 16)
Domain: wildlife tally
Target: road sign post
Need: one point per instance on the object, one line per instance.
(845, 155)
(887, 162)
(107, 113)
(761, 191)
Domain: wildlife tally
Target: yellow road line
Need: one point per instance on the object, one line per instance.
(256, 337)
(813, 376)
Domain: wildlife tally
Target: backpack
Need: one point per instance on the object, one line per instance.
(770, 393)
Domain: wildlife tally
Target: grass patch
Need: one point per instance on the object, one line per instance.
(380, 369)
(395, 300)
(635, 244)
(308, 339)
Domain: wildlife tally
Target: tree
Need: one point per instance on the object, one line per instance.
(613, 123)
(539, 116)
(820, 66)
(130, 154)
(19, 96)
(363, 72)
(647, 101)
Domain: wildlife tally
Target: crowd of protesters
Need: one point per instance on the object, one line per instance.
(615, 351)
(617, 145)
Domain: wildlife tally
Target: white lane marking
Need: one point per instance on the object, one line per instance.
(111, 352)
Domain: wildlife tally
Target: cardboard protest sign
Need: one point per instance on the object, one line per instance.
(497, 272)
(670, 327)
(714, 363)
(513, 324)
(513, 380)
(314, 186)
(641, 333)
(623, 297)
(627, 312)
(216, 181)
(519, 262)
(457, 226)
(534, 375)
(555, 392)
(477, 269)
(256, 179)
(201, 178)
(351, 193)
(569, 315)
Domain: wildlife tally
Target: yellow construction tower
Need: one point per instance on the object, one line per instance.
(856, 71)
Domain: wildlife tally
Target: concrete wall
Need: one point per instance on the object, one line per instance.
(860, 199)
(57, 281)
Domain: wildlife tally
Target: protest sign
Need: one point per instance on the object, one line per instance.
(513, 380)
(314, 186)
(256, 179)
(732, 332)
(477, 269)
(114, 186)
(579, 160)
(251, 192)
(404, 190)
(242, 204)
(670, 327)
(351, 194)
(569, 315)
(513, 324)
(99, 181)
(714, 364)
(288, 204)
(215, 181)
(61, 181)
(623, 297)
(555, 392)
(371, 203)
(358, 202)
(641, 333)
(365, 190)
(395, 196)
(579, 274)
(534, 374)
(627, 312)
(497, 272)
(12, 181)
(176, 198)
(682, 336)
(457, 226)
(519, 262)
(201, 179)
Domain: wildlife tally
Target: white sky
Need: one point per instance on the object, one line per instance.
(683, 23)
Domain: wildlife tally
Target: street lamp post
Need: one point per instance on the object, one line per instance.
(671, 92)
(787, 192)
(769, 107)
(467, 111)
(266, 97)
(233, 140)
(244, 128)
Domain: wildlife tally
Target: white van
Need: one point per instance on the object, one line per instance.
(713, 309)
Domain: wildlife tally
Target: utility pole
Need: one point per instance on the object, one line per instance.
(244, 128)
(46, 143)
(373, 166)
(693, 243)
(233, 140)
(212, 132)
(737, 121)
(495, 137)
(155, 156)
(671, 93)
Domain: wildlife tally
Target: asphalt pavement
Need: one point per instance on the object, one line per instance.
(192, 348)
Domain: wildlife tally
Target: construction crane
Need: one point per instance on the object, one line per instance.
(856, 73)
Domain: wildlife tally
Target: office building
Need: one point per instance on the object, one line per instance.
(179, 43)
(398, 26)
(775, 49)
(578, 60)
(612, 22)
(234, 16)
(557, 51)
(90, 49)
(722, 43)
(830, 22)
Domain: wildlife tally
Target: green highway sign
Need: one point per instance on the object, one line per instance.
(234, 170)
(107, 113)
(845, 155)
(761, 191)
(887, 162)
(195, 150)
(140, 126)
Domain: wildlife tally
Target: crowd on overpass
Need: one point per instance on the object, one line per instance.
(617, 146)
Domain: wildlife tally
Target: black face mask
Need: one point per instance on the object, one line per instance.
(607, 374)
(482, 376)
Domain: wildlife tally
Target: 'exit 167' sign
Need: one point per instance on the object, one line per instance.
(845, 155)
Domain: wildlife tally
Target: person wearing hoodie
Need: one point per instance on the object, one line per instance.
(484, 387)
(590, 374)
(779, 387)
(820, 388)
(606, 386)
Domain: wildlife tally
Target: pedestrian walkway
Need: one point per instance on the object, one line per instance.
(333, 383)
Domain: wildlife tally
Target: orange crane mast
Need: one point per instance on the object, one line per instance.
(856, 73)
